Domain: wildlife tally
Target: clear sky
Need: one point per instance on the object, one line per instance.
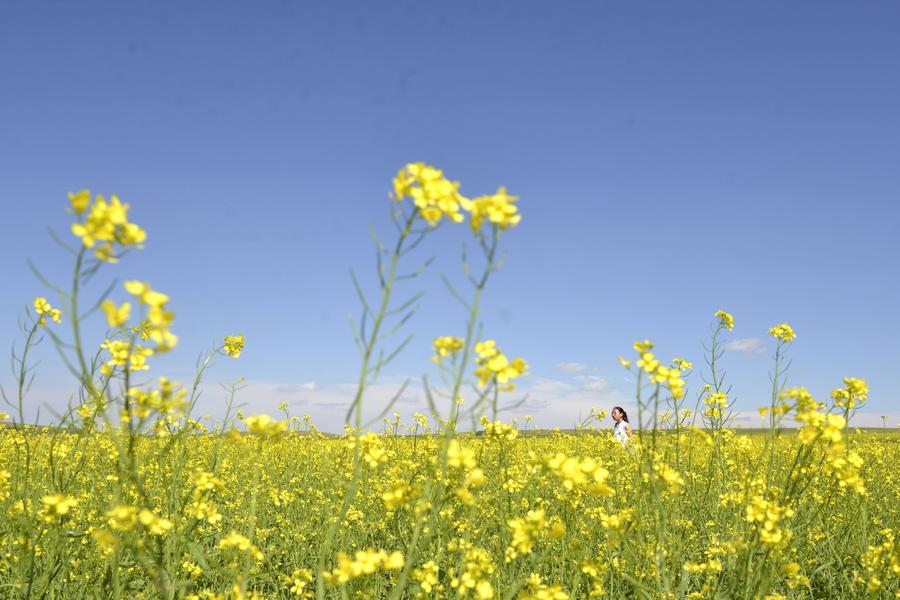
(671, 158)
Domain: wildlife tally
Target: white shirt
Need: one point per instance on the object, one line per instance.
(621, 432)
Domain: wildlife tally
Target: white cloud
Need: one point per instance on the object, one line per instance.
(592, 383)
(746, 346)
(571, 367)
(293, 388)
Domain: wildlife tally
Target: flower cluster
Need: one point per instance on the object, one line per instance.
(828, 429)
(659, 374)
(434, 195)
(265, 426)
(105, 228)
(56, 507)
(498, 430)
(446, 346)
(499, 209)
(854, 393)
(726, 320)
(125, 354)
(44, 310)
(768, 518)
(477, 568)
(159, 320)
(436, 198)
(234, 345)
(783, 333)
(494, 366)
(299, 583)
(575, 473)
(364, 562)
(202, 506)
(668, 476)
(168, 399)
(124, 517)
(373, 454)
(880, 564)
(716, 403)
(116, 316)
(240, 543)
(524, 531)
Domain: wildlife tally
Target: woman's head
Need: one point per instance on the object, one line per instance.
(619, 414)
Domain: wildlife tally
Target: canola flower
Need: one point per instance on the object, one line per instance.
(446, 346)
(493, 365)
(105, 227)
(783, 333)
(726, 320)
(159, 318)
(434, 195)
(234, 345)
(499, 209)
(116, 316)
(44, 310)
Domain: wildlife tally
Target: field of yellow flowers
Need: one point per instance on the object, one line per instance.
(129, 495)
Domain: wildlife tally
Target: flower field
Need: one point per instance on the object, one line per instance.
(128, 494)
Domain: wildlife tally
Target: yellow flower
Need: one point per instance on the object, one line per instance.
(56, 507)
(625, 363)
(524, 531)
(105, 226)
(643, 347)
(364, 562)
(144, 294)
(298, 583)
(236, 541)
(115, 316)
(265, 426)
(499, 209)
(122, 353)
(44, 310)
(155, 525)
(106, 541)
(669, 476)
(434, 195)
(122, 517)
(80, 200)
(445, 346)
(682, 364)
(159, 320)
(855, 392)
(427, 576)
(493, 365)
(648, 362)
(767, 515)
(234, 345)
(726, 320)
(783, 332)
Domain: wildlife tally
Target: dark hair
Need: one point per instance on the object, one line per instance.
(624, 414)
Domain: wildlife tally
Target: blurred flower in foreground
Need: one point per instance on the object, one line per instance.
(44, 310)
(234, 344)
(105, 226)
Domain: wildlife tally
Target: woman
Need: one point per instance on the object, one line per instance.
(622, 430)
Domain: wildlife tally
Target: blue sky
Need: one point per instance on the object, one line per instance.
(672, 159)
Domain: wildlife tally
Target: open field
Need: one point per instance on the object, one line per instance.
(128, 495)
(520, 516)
